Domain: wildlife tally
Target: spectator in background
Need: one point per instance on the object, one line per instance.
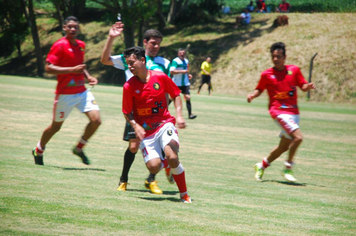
(261, 6)
(284, 7)
(243, 19)
(250, 7)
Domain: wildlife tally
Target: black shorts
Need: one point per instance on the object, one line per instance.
(205, 79)
(129, 132)
(184, 89)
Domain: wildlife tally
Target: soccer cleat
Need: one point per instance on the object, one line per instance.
(169, 176)
(186, 199)
(288, 175)
(82, 156)
(153, 187)
(192, 116)
(38, 159)
(122, 186)
(259, 172)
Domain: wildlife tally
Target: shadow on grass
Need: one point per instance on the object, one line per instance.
(172, 199)
(286, 183)
(76, 169)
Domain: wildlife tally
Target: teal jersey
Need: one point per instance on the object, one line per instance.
(152, 63)
(179, 64)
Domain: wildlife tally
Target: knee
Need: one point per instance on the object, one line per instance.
(298, 138)
(133, 146)
(154, 166)
(96, 122)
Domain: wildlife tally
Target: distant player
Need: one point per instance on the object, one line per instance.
(145, 107)
(281, 82)
(65, 60)
(205, 74)
(181, 77)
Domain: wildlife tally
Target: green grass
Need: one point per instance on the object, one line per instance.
(218, 151)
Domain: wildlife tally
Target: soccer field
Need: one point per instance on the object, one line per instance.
(218, 150)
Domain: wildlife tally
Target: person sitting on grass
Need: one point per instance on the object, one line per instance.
(284, 7)
(243, 19)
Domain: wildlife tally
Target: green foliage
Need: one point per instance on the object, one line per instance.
(303, 5)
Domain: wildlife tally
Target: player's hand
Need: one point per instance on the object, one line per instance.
(180, 122)
(116, 29)
(190, 76)
(139, 131)
(79, 68)
(311, 86)
(249, 98)
(92, 80)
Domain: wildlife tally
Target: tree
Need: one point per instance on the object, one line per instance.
(134, 14)
(36, 39)
(13, 27)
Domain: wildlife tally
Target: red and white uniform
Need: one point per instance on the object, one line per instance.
(148, 101)
(65, 54)
(282, 89)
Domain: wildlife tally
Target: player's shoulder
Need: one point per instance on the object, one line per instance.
(157, 73)
(268, 71)
(161, 60)
(292, 67)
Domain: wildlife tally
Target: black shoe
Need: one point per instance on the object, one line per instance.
(192, 116)
(38, 159)
(82, 156)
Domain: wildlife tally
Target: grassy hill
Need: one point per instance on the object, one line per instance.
(239, 56)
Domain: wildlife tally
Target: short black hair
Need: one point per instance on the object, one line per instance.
(278, 46)
(138, 51)
(70, 18)
(152, 33)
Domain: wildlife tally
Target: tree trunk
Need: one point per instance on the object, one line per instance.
(36, 40)
(18, 47)
(172, 11)
(160, 17)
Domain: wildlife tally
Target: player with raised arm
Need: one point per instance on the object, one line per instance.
(152, 40)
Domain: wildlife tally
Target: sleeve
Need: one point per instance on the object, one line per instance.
(54, 54)
(119, 62)
(262, 83)
(202, 66)
(127, 99)
(171, 88)
(173, 66)
(300, 78)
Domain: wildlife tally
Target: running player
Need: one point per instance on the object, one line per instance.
(65, 60)
(145, 107)
(152, 41)
(281, 82)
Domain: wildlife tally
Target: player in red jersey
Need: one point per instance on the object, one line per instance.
(281, 82)
(65, 60)
(145, 107)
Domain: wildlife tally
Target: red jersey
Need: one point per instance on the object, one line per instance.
(282, 89)
(65, 54)
(148, 101)
(284, 6)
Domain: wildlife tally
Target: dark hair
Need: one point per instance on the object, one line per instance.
(70, 18)
(181, 49)
(278, 46)
(152, 33)
(136, 50)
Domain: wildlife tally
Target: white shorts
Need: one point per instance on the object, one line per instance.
(151, 146)
(288, 123)
(64, 103)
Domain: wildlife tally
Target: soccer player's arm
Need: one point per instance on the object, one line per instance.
(54, 57)
(302, 83)
(174, 92)
(173, 69)
(127, 108)
(114, 32)
(258, 90)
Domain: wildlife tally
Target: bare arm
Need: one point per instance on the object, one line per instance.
(114, 32)
(173, 72)
(256, 93)
(307, 87)
(139, 130)
(59, 70)
(178, 105)
(92, 80)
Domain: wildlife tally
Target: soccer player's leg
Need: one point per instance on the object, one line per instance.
(151, 152)
(170, 142)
